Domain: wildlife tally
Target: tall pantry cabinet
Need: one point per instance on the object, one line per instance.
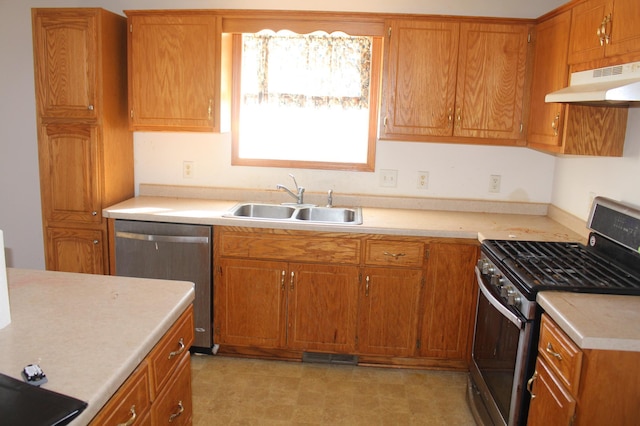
(85, 149)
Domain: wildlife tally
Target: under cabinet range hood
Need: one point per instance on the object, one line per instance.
(616, 85)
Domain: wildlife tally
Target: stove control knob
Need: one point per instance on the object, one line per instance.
(513, 298)
(504, 291)
(485, 267)
(497, 280)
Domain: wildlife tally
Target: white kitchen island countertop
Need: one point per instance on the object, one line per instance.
(595, 321)
(87, 332)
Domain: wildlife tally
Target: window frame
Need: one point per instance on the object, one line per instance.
(349, 24)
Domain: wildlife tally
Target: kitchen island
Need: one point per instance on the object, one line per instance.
(87, 332)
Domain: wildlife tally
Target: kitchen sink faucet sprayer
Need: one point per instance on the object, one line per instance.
(299, 196)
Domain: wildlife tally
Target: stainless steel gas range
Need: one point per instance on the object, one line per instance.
(511, 273)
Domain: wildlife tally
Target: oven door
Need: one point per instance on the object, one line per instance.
(500, 357)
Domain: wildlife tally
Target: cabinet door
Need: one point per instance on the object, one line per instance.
(69, 173)
(250, 303)
(171, 72)
(388, 311)
(624, 28)
(76, 250)
(65, 54)
(450, 295)
(550, 73)
(420, 79)
(490, 84)
(322, 307)
(584, 42)
(550, 403)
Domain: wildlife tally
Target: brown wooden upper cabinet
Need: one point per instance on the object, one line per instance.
(176, 71)
(567, 128)
(604, 28)
(66, 69)
(454, 82)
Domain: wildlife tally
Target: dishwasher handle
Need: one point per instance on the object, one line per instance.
(162, 238)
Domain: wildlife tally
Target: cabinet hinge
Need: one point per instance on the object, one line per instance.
(389, 32)
(417, 343)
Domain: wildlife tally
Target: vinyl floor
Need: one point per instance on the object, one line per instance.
(238, 391)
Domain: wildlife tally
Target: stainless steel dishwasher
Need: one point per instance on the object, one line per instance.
(171, 251)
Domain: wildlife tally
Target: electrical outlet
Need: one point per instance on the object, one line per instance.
(389, 178)
(494, 183)
(423, 180)
(188, 169)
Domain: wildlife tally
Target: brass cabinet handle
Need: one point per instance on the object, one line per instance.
(177, 413)
(601, 32)
(282, 279)
(552, 352)
(366, 287)
(555, 123)
(394, 255)
(210, 110)
(459, 116)
(90, 107)
(291, 280)
(450, 115)
(530, 384)
(132, 418)
(179, 351)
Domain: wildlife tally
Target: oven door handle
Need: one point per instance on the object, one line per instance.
(511, 316)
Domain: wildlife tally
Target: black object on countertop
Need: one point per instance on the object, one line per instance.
(28, 405)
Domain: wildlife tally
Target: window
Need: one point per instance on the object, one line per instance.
(306, 100)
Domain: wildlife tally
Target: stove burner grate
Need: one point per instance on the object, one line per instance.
(567, 266)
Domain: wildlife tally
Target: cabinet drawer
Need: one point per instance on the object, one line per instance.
(394, 253)
(132, 401)
(167, 354)
(305, 247)
(174, 404)
(562, 355)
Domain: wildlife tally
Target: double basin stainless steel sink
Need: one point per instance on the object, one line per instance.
(297, 213)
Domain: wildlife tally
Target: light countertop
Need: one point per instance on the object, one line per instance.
(87, 332)
(595, 321)
(414, 222)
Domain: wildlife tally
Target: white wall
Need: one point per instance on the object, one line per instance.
(457, 171)
(579, 179)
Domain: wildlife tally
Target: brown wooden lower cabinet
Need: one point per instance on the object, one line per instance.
(159, 390)
(76, 250)
(573, 386)
(387, 299)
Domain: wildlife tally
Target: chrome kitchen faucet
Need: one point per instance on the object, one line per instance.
(299, 196)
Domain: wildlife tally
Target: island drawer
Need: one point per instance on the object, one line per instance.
(561, 353)
(167, 354)
(174, 404)
(132, 401)
(394, 253)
